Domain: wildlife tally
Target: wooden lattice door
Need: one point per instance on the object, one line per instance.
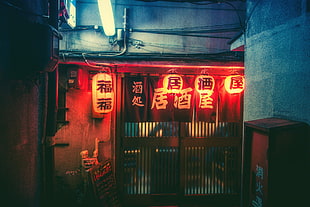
(163, 162)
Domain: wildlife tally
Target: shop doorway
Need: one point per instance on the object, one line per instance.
(174, 161)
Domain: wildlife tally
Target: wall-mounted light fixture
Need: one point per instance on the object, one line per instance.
(107, 18)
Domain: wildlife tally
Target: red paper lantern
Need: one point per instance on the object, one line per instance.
(234, 84)
(204, 84)
(102, 93)
(173, 83)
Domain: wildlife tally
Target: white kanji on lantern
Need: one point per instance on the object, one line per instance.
(102, 93)
(234, 84)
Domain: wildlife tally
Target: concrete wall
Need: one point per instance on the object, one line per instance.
(20, 152)
(78, 135)
(153, 18)
(23, 105)
(277, 60)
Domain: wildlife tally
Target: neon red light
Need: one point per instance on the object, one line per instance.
(204, 84)
(234, 84)
(173, 83)
(102, 94)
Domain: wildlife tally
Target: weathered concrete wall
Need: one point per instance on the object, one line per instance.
(277, 60)
(20, 174)
(22, 108)
(154, 18)
(78, 135)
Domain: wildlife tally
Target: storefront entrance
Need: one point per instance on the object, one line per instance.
(173, 160)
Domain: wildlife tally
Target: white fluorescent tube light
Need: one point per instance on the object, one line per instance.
(106, 15)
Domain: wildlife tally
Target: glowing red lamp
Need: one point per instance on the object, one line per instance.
(204, 84)
(173, 83)
(234, 84)
(102, 94)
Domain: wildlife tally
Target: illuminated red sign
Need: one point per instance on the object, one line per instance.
(102, 93)
(234, 84)
(204, 84)
(173, 83)
(183, 97)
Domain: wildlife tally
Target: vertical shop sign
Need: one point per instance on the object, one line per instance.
(207, 98)
(135, 98)
(231, 98)
(204, 85)
(102, 94)
(138, 91)
(172, 98)
(259, 180)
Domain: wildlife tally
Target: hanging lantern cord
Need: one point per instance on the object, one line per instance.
(105, 70)
(172, 71)
(204, 72)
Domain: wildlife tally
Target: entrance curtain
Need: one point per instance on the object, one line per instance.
(230, 104)
(146, 99)
(136, 98)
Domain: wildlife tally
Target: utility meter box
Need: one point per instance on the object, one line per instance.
(275, 163)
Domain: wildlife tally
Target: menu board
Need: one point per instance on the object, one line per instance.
(104, 185)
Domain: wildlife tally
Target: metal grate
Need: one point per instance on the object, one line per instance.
(137, 165)
(194, 158)
(210, 170)
(211, 129)
(149, 170)
(151, 129)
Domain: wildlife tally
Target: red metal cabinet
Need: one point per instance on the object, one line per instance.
(275, 163)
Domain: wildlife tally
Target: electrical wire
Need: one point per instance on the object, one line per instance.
(180, 49)
(174, 7)
(81, 42)
(239, 17)
(94, 65)
(189, 31)
(223, 2)
(216, 56)
(218, 26)
(180, 34)
(185, 54)
(198, 29)
(193, 33)
(251, 13)
(144, 45)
